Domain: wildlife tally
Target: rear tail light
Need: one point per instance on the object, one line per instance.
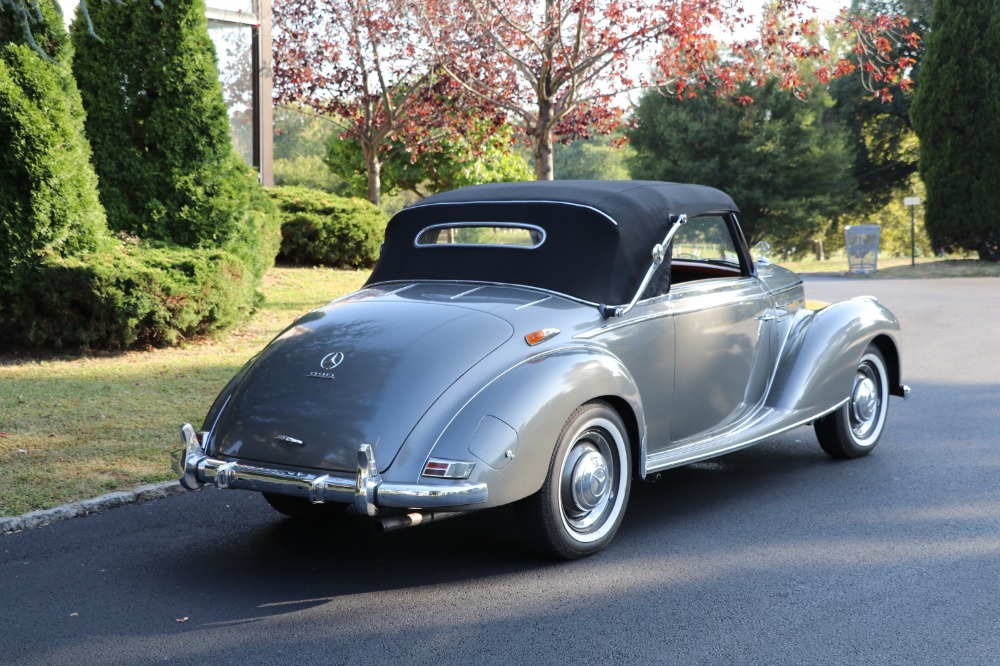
(448, 469)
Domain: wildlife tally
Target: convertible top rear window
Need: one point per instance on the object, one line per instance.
(491, 234)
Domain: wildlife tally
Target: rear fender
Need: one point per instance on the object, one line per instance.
(822, 349)
(522, 411)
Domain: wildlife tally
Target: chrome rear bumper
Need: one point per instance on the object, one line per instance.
(365, 491)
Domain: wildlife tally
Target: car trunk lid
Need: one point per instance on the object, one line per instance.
(358, 372)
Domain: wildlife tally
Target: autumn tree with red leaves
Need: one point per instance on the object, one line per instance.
(558, 65)
(360, 64)
(555, 67)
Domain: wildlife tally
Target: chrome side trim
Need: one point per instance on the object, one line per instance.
(767, 423)
(365, 491)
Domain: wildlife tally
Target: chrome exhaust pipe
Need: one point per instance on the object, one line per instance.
(413, 519)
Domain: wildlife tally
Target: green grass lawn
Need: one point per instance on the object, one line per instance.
(77, 427)
(899, 267)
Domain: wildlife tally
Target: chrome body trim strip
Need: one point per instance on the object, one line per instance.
(365, 491)
(485, 283)
(466, 293)
(396, 291)
(766, 423)
(528, 305)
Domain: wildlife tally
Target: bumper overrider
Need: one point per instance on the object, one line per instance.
(365, 491)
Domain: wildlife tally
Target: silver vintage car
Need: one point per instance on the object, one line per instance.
(545, 344)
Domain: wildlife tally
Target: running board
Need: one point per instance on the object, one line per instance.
(765, 423)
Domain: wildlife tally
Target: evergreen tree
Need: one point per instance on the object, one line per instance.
(48, 190)
(955, 116)
(158, 125)
(788, 169)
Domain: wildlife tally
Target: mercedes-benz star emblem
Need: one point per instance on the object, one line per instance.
(331, 361)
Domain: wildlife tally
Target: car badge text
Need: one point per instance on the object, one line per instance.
(329, 362)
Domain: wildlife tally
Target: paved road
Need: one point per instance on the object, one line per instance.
(773, 555)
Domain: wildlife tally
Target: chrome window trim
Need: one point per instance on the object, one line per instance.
(485, 225)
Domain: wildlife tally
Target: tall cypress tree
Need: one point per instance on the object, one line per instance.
(955, 117)
(48, 190)
(158, 124)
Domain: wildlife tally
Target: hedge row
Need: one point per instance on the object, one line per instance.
(119, 300)
(322, 229)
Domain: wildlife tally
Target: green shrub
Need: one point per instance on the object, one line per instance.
(48, 189)
(257, 238)
(320, 229)
(158, 124)
(130, 296)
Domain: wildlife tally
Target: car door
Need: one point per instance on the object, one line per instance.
(722, 328)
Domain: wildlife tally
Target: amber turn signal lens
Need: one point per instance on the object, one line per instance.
(540, 336)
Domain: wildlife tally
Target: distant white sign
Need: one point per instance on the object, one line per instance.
(911, 201)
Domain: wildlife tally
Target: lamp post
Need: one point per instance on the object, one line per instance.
(912, 202)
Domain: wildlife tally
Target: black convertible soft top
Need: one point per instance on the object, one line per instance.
(598, 234)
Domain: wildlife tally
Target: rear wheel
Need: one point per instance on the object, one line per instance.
(300, 507)
(582, 502)
(854, 429)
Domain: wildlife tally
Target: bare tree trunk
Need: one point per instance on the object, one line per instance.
(373, 169)
(543, 142)
(543, 158)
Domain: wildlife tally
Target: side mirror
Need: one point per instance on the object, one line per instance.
(760, 251)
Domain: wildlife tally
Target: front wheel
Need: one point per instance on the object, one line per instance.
(582, 502)
(853, 430)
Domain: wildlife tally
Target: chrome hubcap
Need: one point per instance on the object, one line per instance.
(588, 479)
(866, 402)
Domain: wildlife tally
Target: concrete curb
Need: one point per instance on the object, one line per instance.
(89, 506)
